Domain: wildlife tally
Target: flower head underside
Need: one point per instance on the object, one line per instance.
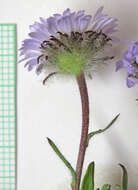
(70, 42)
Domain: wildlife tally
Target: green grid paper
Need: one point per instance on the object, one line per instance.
(7, 106)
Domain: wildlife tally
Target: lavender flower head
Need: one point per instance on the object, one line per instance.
(70, 43)
(130, 63)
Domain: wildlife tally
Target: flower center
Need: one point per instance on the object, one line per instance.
(135, 65)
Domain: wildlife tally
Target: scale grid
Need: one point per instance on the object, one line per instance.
(7, 106)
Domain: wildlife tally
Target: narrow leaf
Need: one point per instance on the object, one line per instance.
(88, 180)
(125, 178)
(90, 135)
(106, 187)
(68, 165)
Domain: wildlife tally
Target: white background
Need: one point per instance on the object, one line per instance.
(54, 110)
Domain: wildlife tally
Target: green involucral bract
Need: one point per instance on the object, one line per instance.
(71, 62)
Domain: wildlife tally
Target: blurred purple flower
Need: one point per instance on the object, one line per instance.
(130, 63)
(60, 30)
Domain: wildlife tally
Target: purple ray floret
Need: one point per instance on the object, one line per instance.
(66, 23)
(130, 63)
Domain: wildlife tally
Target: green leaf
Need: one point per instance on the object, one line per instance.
(118, 187)
(90, 135)
(68, 165)
(88, 180)
(106, 187)
(125, 178)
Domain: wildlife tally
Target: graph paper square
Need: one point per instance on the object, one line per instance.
(7, 106)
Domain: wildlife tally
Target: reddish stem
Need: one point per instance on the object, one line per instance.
(85, 124)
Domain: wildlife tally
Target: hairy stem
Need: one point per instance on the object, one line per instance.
(85, 123)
